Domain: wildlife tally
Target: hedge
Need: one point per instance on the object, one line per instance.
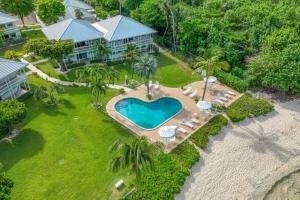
(6, 185)
(170, 171)
(211, 128)
(232, 81)
(248, 106)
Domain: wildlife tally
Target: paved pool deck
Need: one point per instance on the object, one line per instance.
(188, 112)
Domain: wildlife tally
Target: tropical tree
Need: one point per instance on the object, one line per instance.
(11, 112)
(131, 53)
(102, 50)
(146, 67)
(121, 5)
(112, 74)
(21, 8)
(135, 156)
(82, 74)
(40, 93)
(6, 186)
(50, 10)
(210, 65)
(12, 55)
(98, 88)
(97, 73)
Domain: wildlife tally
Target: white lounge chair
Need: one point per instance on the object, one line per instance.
(228, 96)
(156, 86)
(219, 101)
(182, 130)
(231, 93)
(188, 124)
(196, 121)
(224, 99)
(193, 94)
(187, 91)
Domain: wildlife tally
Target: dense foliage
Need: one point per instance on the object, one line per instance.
(11, 113)
(21, 8)
(6, 185)
(50, 10)
(211, 128)
(169, 174)
(245, 29)
(248, 106)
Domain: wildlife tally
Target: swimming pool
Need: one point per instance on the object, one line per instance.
(148, 115)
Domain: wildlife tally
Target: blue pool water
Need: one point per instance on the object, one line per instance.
(148, 115)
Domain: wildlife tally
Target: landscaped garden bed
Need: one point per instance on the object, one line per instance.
(211, 128)
(248, 106)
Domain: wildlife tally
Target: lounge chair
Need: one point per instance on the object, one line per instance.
(224, 99)
(196, 121)
(193, 94)
(228, 96)
(156, 86)
(188, 124)
(181, 130)
(231, 93)
(187, 91)
(219, 101)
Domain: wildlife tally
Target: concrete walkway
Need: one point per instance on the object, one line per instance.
(65, 83)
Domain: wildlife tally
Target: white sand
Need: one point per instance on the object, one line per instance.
(244, 161)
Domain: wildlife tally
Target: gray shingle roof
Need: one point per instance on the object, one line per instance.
(72, 5)
(6, 18)
(8, 67)
(73, 29)
(121, 27)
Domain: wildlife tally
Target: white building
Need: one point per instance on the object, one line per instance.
(8, 24)
(12, 77)
(73, 6)
(117, 32)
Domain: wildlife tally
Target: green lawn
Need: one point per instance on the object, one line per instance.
(62, 153)
(169, 73)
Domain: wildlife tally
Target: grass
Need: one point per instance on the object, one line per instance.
(36, 34)
(49, 68)
(169, 73)
(62, 153)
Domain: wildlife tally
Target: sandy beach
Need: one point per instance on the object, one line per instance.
(246, 159)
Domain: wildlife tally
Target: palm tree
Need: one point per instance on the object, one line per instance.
(134, 156)
(146, 67)
(165, 10)
(121, 5)
(210, 65)
(98, 88)
(102, 50)
(82, 74)
(130, 54)
(112, 74)
(97, 72)
(40, 93)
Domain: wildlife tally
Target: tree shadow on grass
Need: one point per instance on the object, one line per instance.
(25, 145)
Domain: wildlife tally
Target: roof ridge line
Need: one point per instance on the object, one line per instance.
(66, 28)
(116, 26)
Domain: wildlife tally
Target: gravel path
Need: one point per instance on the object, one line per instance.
(245, 160)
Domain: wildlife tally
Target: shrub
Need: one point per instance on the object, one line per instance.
(122, 91)
(133, 83)
(212, 127)
(170, 171)
(248, 106)
(6, 185)
(232, 81)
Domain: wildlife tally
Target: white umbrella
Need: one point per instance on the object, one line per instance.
(167, 133)
(204, 105)
(212, 79)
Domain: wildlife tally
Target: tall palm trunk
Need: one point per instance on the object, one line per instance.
(173, 27)
(205, 86)
(22, 19)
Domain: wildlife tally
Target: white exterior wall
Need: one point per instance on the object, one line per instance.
(144, 43)
(10, 86)
(88, 52)
(82, 52)
(11, 31)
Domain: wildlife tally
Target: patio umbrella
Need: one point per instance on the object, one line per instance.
(167, 133)
(204, 105)
(212, 79)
